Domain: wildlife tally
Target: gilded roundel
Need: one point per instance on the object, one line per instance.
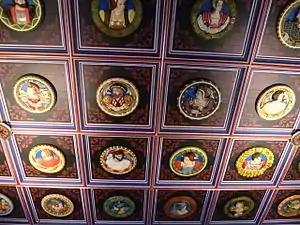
(239, 207)
(21, 15)
(118, 160)
(275, 102)
(117, 18)
(290, 206)
(117, 97)
(254, 161)
(119, 206)
(188, 161)
(5, 131)
(6, 205)
(47, 158)
(199, 100)
(212, 19)
(295, 140)
(180, 207)
(34, 94)
(288, 27)
(57, 205)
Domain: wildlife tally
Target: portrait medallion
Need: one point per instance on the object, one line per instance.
(275, 102)
(117, 97)
(57, 205)
(199, 100)
(5, 131)
(239, 207)
(118, 160)
(290, 206)
(119, 206)
(212, 19)
(288, 27)
(117, 18)
(34, 94)
(254, 161)
(6, 205)
(188, 161)
(295, 140)
(180, 207)
(47, 158)
(20, 15)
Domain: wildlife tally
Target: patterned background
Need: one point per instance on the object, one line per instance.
(160, 58)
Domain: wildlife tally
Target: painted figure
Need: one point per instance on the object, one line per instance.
(188, 162)
(238, 209)
(117, 98)
(200, 101)
(214, 21)
(293, 205)
(116, 14)
(180, 208)
(35, 98)
(47, 158)
(120, 208)
(254, 162)
(292, 26)
(21, 11)
(275, 103)
(117, 161)
(4, 206)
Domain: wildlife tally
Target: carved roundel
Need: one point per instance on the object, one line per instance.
(290, 206)
(57, 205)
(117, 97)
(199, 100)
(34, 93)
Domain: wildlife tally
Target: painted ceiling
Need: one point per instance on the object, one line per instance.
(199, 105)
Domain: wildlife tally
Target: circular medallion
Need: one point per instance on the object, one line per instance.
(20, 15)
(118, 160)
(290, 206)
(254, 161)
(34, 94)
(57, 205)
(6, 205)
(117, 97)
(212, 19)
(180, 207)
(5, 131)
(117, 18)
(199, 100)
(188, 161)
(47, 158)
(119, 206)
(296, 139)
(288, 27)
(275, 102)
(239, 207)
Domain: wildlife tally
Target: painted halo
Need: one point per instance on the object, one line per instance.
(239, 207)
(199, 100)
(117, 97)
(188, 161)
(119, 20)
(118, 160)
(275, 102)
(5, 131)
(47, 158)
(290, 206)
(34, 93)
(57, 205)
(6, 205)
(204, 10)
(180, 207)
(296, 139)
(21, 18)
(288, 25)
(254, 161)
(119, 206)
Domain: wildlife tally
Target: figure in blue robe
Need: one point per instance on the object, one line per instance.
(116, 14)
(19, 11)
